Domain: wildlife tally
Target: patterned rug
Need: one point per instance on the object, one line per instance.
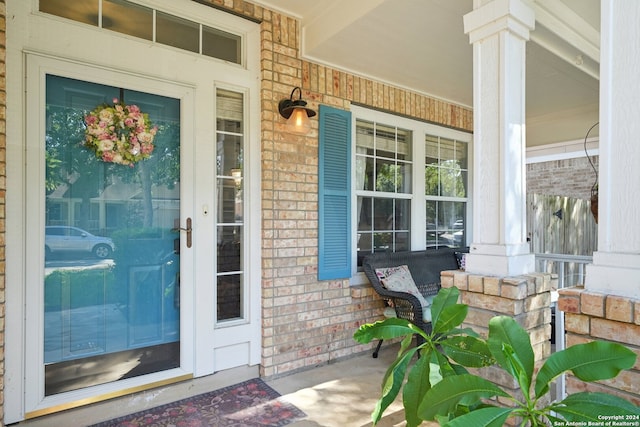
(249, 404)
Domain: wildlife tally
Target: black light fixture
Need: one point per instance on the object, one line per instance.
(296, 112)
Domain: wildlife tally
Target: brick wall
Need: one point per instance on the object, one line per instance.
(595, 316)
(568, 177)
(307, 322)
(3, 188)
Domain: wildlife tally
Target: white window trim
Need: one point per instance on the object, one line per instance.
(418, 210)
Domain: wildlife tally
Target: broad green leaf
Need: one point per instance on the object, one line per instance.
(392, 383)
(414, 390)
(593, 361)
(517, 369)
(459, 369)
(445, 298)
(593, 406)
(464, 331)
(449, 318)
(485, 417)
(405, 351)
(468, 351)
(442, 398)
(505, 330)
(385, 329)
(440, 368)
(435, 370)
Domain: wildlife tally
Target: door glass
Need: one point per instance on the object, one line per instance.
(111, 287)
(230, 214)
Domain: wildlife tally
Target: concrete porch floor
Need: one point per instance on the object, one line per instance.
(340, 394)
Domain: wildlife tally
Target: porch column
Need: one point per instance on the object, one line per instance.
(616, 264)
(499, 30)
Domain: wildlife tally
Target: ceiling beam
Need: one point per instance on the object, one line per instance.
(567, 35)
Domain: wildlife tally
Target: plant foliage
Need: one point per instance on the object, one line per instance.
(445, 352)
(511, 347)
(439, 387)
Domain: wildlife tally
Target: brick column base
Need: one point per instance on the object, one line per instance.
(591, 316)
(526, 298)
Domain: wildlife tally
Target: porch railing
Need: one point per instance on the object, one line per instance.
(570, 271)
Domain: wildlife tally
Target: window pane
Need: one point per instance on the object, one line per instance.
(404, 144)
(229, 304)
(364, 172)
(127, 18)
(230, 199)
(404, 178)
(382, 214)
(365, 213)
(432, 180)
(220, 44)
(85, 11)
(461, 154)
(445, 223)
(385, 141)
(177, 32)
(402, 242)
(382, 242)
(229, 159)
(431, 150)
(452, 180)
(402, 212)
(364, 137)
(229, 251)
(230, 111)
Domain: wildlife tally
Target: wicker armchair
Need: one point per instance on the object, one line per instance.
(425, 267)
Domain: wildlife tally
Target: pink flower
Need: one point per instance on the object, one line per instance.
(147, 148)
(119, 134)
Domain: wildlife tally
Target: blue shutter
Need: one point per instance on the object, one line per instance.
(334, 198)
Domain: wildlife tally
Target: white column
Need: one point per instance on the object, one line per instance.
(616, 264)
(498, 30)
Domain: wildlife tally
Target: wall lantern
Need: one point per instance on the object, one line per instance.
(296, 112)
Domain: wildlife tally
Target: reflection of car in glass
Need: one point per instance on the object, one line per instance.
(60, 239)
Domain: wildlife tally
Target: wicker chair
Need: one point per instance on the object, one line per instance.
(425, 267)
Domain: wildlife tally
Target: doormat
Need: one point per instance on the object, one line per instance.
(249, 404)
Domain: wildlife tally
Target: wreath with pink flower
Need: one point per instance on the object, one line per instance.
(119, 133)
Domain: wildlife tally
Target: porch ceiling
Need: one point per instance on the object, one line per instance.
(421, 45)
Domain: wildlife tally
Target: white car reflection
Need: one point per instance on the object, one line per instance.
(64, 239)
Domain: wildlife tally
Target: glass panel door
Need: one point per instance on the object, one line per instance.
(112, 279)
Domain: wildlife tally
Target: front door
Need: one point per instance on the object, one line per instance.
(134, 261)
(112, 252)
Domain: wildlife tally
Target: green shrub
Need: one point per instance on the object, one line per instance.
(440, 388)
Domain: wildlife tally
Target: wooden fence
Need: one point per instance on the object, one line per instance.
(561, 225)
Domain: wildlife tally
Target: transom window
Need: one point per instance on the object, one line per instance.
(147, 23)
(411, 184)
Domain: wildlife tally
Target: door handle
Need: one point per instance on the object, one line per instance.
(188, 229)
